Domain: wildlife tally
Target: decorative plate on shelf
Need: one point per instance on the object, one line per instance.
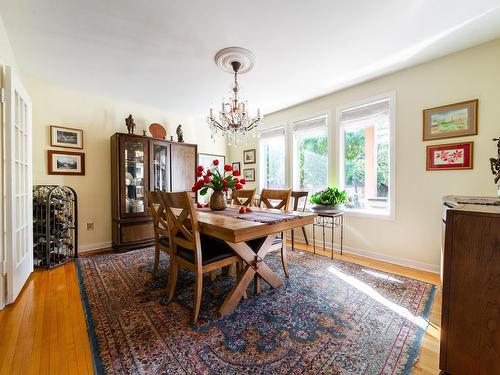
(157, 130)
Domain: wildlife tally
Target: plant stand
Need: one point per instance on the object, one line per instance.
(333, 220)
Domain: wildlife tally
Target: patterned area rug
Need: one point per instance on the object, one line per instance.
(329, 317)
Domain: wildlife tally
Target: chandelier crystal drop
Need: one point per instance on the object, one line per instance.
(233, 120)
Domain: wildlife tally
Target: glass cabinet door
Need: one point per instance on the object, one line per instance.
(134, 178)
(160, 167)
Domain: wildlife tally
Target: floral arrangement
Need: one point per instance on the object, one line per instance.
(211, 178)
(331, 196)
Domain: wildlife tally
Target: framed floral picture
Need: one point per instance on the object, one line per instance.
(249, 174)
(66, 137)
(236, 166)
(66, 163)
(450, 156)
(249, 156)
(452, 120)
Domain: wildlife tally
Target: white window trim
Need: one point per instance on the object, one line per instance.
(259, 178)
(392, 155)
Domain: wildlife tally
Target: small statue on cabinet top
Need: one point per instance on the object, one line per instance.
(180, 136)
(495, 162)
(129, 121)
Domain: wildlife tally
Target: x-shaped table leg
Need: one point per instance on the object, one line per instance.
(255, 265)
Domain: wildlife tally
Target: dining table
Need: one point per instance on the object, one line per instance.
(238, 230)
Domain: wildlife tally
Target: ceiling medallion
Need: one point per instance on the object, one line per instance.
(233, 120)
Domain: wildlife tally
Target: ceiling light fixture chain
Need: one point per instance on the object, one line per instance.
(234, 121)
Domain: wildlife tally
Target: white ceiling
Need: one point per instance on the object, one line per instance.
(160, 52)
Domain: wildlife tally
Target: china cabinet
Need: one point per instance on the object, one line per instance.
(139, 164)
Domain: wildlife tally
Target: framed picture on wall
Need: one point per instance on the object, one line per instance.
(66, 163)
(452, 120)
(206, 160)
(66, 137)
(236, 166)
(450, 156)
(249, 156)
(249, 174)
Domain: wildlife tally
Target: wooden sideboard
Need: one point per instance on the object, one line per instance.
(470, 325)
(140, 164)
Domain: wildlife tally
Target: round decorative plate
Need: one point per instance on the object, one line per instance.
(157, 130)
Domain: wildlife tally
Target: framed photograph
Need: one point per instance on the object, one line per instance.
(66, 137)
(207, 159)
(249, 156)
(236, 166)
(66, 163)
(450, 156)
(453, 120)
(249, 174)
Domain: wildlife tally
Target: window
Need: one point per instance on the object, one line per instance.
(272, 158)
(366, 166)
(310, 154)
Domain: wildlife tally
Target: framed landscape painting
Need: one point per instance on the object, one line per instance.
(66, 137)
(66, 163)
(249, 174)
(450, 156)
(249, 156)
(453, 120)
(236, 166)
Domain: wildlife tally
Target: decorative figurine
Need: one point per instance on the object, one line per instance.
(144, 133)
(171, 138)
(180, 137)
(129, 121)
(495, 162)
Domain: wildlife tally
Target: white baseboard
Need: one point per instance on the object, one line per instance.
(376, 256)
(94, 246)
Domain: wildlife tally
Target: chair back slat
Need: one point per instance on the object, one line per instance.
(182, 222)
(296, 195)
(157, 211)
(243, 197)
(268, 197)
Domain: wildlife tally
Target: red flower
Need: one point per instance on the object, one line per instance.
(198, 204)
(199, 174)
(225, 182)
(225, 189)
(242, 210)
(215, 162)
(200, 183)
(209, 172)
(200, 168)
(243, 181)
(194, 189)
(238, 186)
(207, 179)
(236, 180)
(228, 168)
(236, 173)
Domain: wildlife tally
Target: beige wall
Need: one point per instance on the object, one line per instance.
(6, 53)
(413, 238)
(99, 117)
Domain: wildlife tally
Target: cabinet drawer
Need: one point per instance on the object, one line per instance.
(137, 232)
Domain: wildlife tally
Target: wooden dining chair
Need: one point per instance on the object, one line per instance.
(198, 253)
(297, 195)
(243, 197)
(157, 212)
(277, 199)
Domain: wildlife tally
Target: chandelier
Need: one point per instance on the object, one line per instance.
(233, 120)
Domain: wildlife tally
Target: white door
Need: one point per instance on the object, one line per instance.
(18, 185)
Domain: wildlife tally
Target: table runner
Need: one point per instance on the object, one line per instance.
(265, 217)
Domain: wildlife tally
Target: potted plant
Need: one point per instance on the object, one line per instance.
(211, 178)
(328, 199)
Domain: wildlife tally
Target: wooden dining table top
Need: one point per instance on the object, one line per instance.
(235, 230)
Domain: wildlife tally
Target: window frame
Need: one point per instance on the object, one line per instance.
(391, 215)
(260, 175)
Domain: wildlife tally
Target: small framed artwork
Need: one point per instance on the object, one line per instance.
(450, 156)
(249, 174)
(249, 156)
(66, 137)
(66, 163)
(453, 120)
(236, 166)
(207, 159)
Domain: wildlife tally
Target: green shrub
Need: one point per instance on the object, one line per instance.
(329, 197)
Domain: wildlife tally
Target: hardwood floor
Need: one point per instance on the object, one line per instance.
(45, 331)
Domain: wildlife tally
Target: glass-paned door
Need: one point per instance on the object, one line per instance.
(134, 176)
(160, 166)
